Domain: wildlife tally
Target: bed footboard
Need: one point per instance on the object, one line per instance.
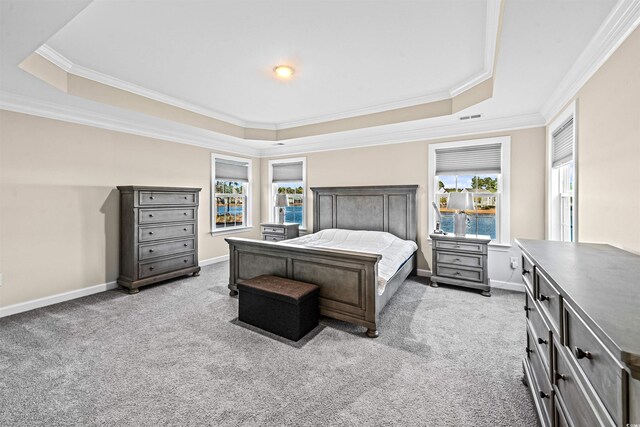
(347, 280)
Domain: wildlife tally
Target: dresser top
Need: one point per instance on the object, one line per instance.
(148, 188)
(602, 283)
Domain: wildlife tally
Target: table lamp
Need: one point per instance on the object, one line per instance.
(460, 202)
(282, 201)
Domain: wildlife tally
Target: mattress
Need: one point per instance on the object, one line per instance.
(394, 250)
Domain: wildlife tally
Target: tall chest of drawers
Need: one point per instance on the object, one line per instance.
(158, 234)
(582, 353)
(461, 261)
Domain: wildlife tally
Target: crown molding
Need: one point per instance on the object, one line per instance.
(621, 21)
(35, 107)
(397, 135)
(490, 46)
(50, 54)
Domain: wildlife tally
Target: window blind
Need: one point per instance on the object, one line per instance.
(562, 140)
(287, 172)
(231, 170)
(471, 160)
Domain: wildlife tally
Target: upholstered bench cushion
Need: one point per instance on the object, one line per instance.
(282, 306)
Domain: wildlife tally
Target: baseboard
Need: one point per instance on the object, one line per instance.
(509, 286)
(55, 299)
(424, 273)
(215, 260)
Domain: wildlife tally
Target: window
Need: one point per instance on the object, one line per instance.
(288, 176)
(562, 215)
(231, 189)
(480, 167)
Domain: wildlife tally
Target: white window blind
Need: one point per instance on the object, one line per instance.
(231, 170)
(563, 144)
(287, 172)
(470, 160)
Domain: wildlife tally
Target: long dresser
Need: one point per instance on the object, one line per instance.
(158, 234)
(582, 356)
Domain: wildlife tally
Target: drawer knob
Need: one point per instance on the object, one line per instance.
(185, 245)
(526, 308)
(185, 197)
(581, 354)
(559, 376)
(184, 229)
(525, 271)
(185, 260)
(185, 213)
(541, 341)
(457, 273)
(456, 246)
(150, 250)
(457, 260)
(151, 232)
(150, 215)
(528, 350)
(151, 268)
(151, 197)
(544, 298)
(544, 395)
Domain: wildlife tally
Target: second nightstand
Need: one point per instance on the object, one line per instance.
(274, 232)
(460, 261)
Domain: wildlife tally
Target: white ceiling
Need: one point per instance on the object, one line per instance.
(219, 55)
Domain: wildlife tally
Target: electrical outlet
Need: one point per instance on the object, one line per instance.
(514, 262)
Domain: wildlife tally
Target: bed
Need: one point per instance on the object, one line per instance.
(348, 279)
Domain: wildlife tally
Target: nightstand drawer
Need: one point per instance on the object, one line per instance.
(162, 266)
(272, 238)
(461, 246)
(167, 198)
(471, 274)
(150, 216)
(273, 230)
(163, 249)
(600, 368)
(459, 259)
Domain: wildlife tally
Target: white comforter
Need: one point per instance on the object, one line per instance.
(394, 250)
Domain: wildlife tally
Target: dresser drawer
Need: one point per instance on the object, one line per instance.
(541, 387)
(272, 238)
(549, 299)
(167, 198)
(543, 338)
(273, 230)
(471, 274)
(148, 234)
(151, 216)
(459, 259)
(163, 249)
(461, 246)
(560, 417)
(527, 273)
(162, 266)
(598, 365)
(573, 396)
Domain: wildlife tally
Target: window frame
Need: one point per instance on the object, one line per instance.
(503, 217)
(248, 208)
(272, 208)
(554, 193)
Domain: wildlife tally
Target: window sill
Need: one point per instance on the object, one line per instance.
(233, 230)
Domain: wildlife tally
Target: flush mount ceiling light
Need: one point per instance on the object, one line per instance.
(283, 71)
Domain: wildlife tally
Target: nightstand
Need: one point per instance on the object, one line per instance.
(274, 232)
(460, 261)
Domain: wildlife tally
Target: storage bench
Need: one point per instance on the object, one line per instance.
(285, 307)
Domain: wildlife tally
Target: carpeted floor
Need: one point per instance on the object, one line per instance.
(174, 354)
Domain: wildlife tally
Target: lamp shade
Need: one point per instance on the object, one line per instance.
(460, 201)
(281, 200)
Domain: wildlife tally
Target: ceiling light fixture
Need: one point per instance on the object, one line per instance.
(283, 71)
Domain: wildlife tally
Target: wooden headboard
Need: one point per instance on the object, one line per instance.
(390, 208)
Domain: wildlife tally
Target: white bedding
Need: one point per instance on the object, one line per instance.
(394, 250)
